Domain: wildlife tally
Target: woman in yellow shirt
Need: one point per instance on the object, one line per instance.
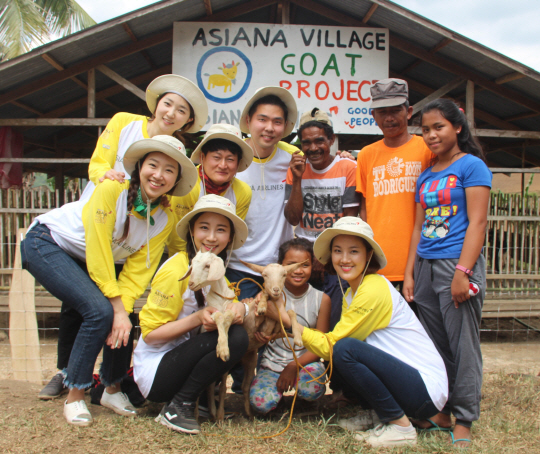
(72, 251)
(172, 363)
(380, 350)
(177, 106)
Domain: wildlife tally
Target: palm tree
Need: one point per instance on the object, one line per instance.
(27, 23)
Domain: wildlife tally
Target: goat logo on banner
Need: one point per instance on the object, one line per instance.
(224, 74)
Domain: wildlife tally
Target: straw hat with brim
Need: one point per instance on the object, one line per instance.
(212, 203)
(171, 147)
(281, 93)
(230, 133)
(172, 83)
(347, 225)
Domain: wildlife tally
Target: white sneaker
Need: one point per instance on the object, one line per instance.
(364, 420)
(77, 413)
(387, 435)
(119, 403)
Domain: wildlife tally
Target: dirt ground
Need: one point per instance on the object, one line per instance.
(511, 391)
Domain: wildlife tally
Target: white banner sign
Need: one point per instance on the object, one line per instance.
(331, 68)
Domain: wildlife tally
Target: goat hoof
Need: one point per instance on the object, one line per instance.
(223, 354)
(298, 342)
(261, 310)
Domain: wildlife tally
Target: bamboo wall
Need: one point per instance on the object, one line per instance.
(18, 208)
(512, 245)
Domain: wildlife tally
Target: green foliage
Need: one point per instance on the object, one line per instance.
(27, 23)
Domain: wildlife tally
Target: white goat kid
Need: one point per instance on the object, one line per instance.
(208, 269)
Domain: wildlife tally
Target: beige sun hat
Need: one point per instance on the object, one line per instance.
(315, 115)
(230, 133)
(281, 93)
(171, 147)
(172, 83)
(215, 204)
(347, 225)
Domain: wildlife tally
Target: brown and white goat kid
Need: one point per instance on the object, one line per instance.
(274, 279)
(208, 269)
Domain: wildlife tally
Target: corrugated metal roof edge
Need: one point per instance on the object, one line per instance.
(410, 15)
(447, 33)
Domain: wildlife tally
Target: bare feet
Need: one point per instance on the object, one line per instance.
(461, 437)
(442, 420)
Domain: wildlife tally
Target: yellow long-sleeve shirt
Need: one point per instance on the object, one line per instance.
(166, 299)
(370, 310)
(122, 130)
(91, 230)
(380, 316)
(238, 193)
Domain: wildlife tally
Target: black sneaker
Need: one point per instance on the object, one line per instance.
(54, 388)
(180, 417)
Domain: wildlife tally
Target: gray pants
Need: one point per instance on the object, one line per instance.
(455, 332)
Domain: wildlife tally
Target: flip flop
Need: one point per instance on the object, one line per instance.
(455, 440)
(435, 428)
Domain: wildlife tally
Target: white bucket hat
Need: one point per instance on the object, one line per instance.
(215, 204)
(230, 133)
(172, 83)
(315, 115)
(281, 93)
(347, 225)
(171, 147)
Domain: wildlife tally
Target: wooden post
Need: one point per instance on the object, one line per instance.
(23, 332)
(59, 176)
(285, 12)
(92, 93)
(469, 103)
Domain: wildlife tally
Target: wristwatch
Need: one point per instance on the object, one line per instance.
(467, 271)
(247, 310)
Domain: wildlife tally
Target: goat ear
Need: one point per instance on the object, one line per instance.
(257, 268)
(217, 269)
(188, 272)
(294, 266)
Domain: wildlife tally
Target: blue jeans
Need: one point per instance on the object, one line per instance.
(389, 386)
(64, 278)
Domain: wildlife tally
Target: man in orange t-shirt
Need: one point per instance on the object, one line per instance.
(386, 175)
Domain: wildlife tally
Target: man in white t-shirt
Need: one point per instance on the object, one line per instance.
(320, 190)
(269, 116)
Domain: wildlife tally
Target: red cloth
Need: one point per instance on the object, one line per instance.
(11, 146)
(212, 188)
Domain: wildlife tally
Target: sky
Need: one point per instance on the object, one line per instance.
(508, 27)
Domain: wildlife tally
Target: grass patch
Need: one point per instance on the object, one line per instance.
(509, 423)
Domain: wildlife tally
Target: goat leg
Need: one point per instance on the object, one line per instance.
(211, 401)
(249, 361)
(295, 327)
(223, 322)
(263, 303)
(221, 398)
